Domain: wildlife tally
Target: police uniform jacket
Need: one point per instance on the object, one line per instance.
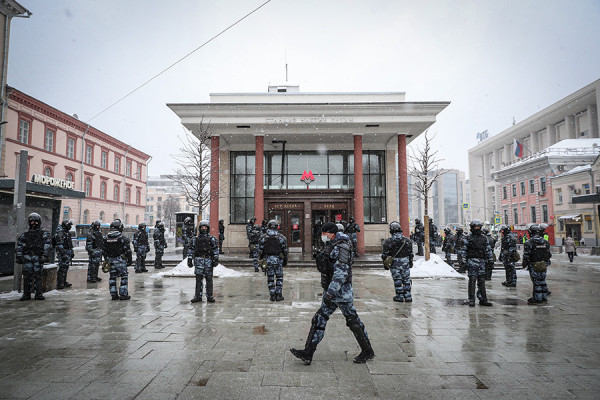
(397, 246)
(340, 287)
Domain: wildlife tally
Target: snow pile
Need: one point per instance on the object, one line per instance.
(435, 268)
(182, 270)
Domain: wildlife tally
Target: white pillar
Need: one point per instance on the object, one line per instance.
(551, 133)
(570, 125)
(592, 112)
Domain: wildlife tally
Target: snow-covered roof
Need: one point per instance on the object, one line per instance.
(581, 168)
(575, 144)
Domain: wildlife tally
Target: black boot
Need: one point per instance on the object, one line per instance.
(198, 293)
(305, 355)
(358, 329)
(472, 283)
(481, 283)
(278, 297)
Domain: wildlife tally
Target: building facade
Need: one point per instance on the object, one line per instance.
(161, 190)
(112, 174)
(304, 157)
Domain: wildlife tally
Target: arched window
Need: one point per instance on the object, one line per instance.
(127, 195)
(116, 194)
(88, 188)
(86, 217)
(103, 190)
(126, 219)
(48, 171)
(137, 219)
(138, 196)
(101, 215)
(69, 177)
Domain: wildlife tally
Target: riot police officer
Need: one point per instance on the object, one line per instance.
(117, 251)
(477, 252)
(203, 254)
(536, 257)
(33, 248)
(254, 237)
(419, 236)
(141, 246)
(221, 235)
(508, 250)
(448, 245)
(160, 244)
(94, 245)
(187, 234)
(63, 244)
(458, 244)
(397, 256)
(272, 246)
(433, 236)
(249, 228)
(338, 294)
(489, 266)
(263, 226)
(351, 230)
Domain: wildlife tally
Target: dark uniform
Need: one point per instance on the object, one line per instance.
(254, 237)
(458, 244)
(489, 266)
(94, 245)
(536, 257)
(249, 228)
(141, 246)
(272, 246)
(33, 248)
(117, 251)
(477, 252)
(188, 233)
(160, 244)
(448, 245)
(203, 254)
(339, 293)
(399, 249)
(221, 235)
(352, 231)
(433, 236)
(419, 236)
(508, 249)
(63, 244)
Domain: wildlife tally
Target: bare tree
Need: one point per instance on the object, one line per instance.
(424, 169)
(194, 167)
(170, 206)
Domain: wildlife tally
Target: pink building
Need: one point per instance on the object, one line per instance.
(111, 173)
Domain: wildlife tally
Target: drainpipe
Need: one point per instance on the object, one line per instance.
(124, 185)
(593, 189)
(146, 195)
(81, 174)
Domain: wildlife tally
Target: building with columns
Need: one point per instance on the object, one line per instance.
(494, 167)
(304, 157)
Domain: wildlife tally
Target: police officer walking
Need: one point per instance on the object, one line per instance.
(203, 254)
(489, 266)
(160, 244)
(221, 235)
(249, 228)
(187, 234)
(508, 252)
(94, 245)
(459, 240)
(397, 256)
(117, 251)
(419, 236)
(254, 237)
(338, 294)
(272, 246)
(351, 230)
(448, 245)
(63, 244)
(433, 236)
(141, 246)
(33, 247)
(536, 257)
(477, 252)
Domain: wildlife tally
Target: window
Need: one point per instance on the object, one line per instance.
(49, 140)
(104, 160)
(515, 216)
(117, 165)
(71, 148)
(137, 219)
(531, 186)
(116, 193)
(86, 216)
(159, 199)
(374, 187)
(128, 168)
(543, 184)
(505, 217)
(103, 190)
(88, 154)
(533, 216)
(101, 215)
(514, 190)
(586, 188)
(88, 187)
(24, 131)
(523, 188)
(126, 219)
(47, 171)
(504, 195)
(545, 213)
(128, 195)
(115, 216)
(138, 174)
(588, 223)
(559, 196)
(561, 225)
(138, 196)
(69, 177)
(242, 187)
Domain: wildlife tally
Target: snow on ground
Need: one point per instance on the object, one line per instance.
(435, 268)
(182, 270)
(14, 295)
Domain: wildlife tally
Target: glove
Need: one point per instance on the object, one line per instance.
(285, 261)
(190, 262)
(410, 265)
(386, 267)
(215, 261)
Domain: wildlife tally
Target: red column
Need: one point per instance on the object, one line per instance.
(359, 202)
(214, 185)
(403, 185)
(259, 195)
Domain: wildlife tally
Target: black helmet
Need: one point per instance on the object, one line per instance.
(534, 229)
(158, 221)
(395, 227)
(142, 226)
(34, 220)
(161, 226)
(486, 231)
(188, 220)
(417, 220)
(447, 230)
(459, 229)
(272, 224)
(115, 225)
(96, 225)
(351, 219)
(264, 222)
(476, 225)
(543, 228)
(329, 227)
(431, 220)
(204, 226)
(340, 227)
(252, 220)
(221, 221)
(67, 224)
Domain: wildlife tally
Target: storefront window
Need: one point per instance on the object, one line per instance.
(242, 187)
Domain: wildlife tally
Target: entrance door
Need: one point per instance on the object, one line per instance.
(291, 223)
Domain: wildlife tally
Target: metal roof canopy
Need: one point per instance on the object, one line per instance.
(34, 189)
(587, 198)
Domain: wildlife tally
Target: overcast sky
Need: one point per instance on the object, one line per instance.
(493, 60)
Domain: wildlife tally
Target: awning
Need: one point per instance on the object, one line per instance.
(576, 217)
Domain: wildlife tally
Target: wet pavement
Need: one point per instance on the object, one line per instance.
(79, 344)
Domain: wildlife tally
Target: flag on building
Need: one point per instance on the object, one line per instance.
(518, 148)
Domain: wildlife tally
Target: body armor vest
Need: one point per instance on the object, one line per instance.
(203, 246)
(476, 246)
(508, 241)
(539, 251)
(396, 247)
(351, 228)
(34, 243)
(98, 240)
(272, 246)
(114, 244)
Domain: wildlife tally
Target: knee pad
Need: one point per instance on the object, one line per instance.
(318, 314)
(353, 321)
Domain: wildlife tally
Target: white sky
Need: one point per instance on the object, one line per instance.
(491, 59)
